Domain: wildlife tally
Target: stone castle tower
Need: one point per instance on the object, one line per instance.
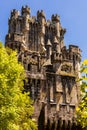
(50, 67)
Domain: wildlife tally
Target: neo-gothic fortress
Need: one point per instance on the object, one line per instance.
(51, 68)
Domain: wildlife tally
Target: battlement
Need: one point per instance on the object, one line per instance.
(55, 18)
(15, 13)
(74, 49)
(40, 14)
(25, 10)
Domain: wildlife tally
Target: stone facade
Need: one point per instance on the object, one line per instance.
(51, 68)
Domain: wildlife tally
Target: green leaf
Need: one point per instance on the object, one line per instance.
(16, 107)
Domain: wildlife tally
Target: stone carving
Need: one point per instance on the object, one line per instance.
(66, 68)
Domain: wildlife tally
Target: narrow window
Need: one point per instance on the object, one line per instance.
(29, 67)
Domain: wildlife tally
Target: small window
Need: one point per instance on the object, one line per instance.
(29, 67)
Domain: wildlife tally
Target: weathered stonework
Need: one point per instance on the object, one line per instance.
(51, 68)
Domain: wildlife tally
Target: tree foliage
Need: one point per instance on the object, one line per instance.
(82, 109)
(15, 106)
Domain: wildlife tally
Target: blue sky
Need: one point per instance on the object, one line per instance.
(73, 14)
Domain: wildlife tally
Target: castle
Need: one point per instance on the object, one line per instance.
(51, 68)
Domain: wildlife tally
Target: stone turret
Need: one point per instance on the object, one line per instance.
(12, 20)
(14, 14)
(55, 18)
(40, 15)
(42, 20)
(56, 21)
(25, 11)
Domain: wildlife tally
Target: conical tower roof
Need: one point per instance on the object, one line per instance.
(55, 40)
(49, 42)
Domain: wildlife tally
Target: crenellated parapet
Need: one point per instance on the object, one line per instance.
(25, 11)
(40, 14)
(75, 49)
(55, 18)
(14, 14)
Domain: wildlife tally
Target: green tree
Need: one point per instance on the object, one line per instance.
(82, 109)
(15, 106)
